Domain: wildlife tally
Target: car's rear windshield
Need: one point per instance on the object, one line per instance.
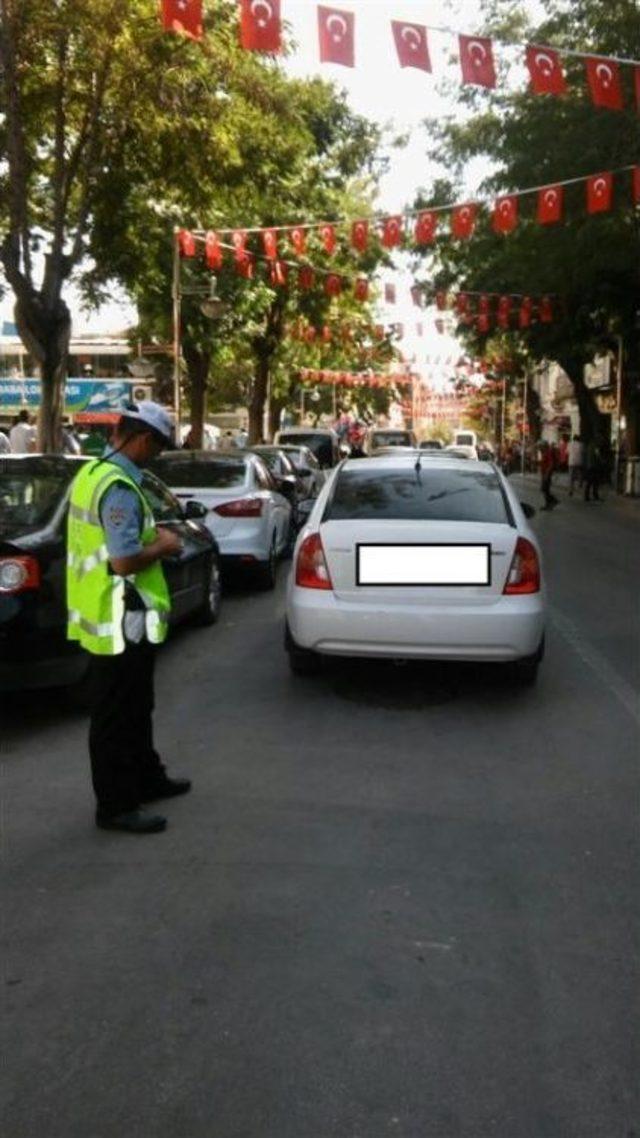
(201, 474)
(434, 494)
(391, 439)
(30, 492)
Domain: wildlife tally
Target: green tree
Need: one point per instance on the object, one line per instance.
(589, 264)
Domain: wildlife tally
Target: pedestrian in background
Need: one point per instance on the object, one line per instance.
(547, 467)
(119, 604)
(592, 472)
(5, 445)
(22, 435)
(576, 462)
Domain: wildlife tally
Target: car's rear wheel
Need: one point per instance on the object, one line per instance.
(302, 661)
(209, 611)
(266, 571)
(524, 673)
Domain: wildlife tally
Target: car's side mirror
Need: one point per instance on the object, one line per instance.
(304, 471)
(528, 511)
(195, 510)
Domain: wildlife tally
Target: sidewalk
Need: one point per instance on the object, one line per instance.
(622, 505)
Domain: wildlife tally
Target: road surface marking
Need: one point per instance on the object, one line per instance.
(618, 686)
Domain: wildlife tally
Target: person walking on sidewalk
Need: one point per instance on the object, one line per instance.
(576, 461)
(547, 467)
(119, 604)
(592, 471)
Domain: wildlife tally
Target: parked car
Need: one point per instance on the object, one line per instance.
(34, 493)
(307, 467)
(245, 511)
(435, 563)
(377, 437)
(323, 441)
(463, 450)
(431, 444)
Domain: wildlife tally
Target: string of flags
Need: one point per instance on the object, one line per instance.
(491, 309)
(419, 227)
(352, 379)
(261, 31)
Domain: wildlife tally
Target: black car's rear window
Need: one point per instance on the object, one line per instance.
(391, 439)
(205, 474)
(30, 492)
(320, 445)
(444, 495)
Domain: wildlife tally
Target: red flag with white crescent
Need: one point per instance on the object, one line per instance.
(417, 295)
(599, 193)
(361, 289)
(392, 232)
(260, 25)
(298, 240)
(505, 214)
(504, 311)
(186, 243)
(545, 310)
(245, 264)
(483, 322)
(328, 237)
(336, 34)
(306, 277)
(526, 309)
(279, 273)
(270, 243)
(360, 235)
(476, 61)
(462, 304)
(239, 241)
(212, 250)
(184, 17)
(411, 45)
(636, 87)
(550, 204)
(426, 226)
(603, 76)
(635, 185)
(441, 301)
(463, 220)
(333, 285)
(483, 304)
(545, 70)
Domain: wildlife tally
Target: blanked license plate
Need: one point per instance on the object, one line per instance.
(424, 564)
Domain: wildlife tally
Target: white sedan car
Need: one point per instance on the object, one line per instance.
(248, 516)
(405, 558)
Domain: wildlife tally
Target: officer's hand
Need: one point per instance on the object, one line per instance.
(169, 541)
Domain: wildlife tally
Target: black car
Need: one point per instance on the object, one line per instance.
(34, 494)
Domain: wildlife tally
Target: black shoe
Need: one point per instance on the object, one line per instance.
(132, 822)
(166, 788)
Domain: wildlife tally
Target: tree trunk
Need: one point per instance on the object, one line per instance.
(46, 337)
(198, 363)
(275, 408)
(592, 422)
(258, 395)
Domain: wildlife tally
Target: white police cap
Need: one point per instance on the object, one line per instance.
(154, 416)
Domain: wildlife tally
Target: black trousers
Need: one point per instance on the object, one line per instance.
(124, 763)
(545, 485)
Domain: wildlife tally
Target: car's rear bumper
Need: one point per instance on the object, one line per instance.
(511, 628)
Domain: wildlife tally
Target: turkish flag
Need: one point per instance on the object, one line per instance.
(310, 334)
(483, 304)
(279, 273)
(326, 334)
(545, 310)
(360, 235)
(239, 241)
(333, 285)
(298, 240)
(476, 60)
(462, 304)
(245, 265)
(483, 322)
(212, 250)
(505, 214)
(545, 69)
(183, 16)
(411, 45)
(441, 301)
(426, 226)
(504, 311)
(390, 294)
(416, 295)
(328, 237)
(306, 277)
(463, 220)
(361, 289)
(270, 242)
(599, 193)
(526, 309)
(336, 32)
(635, 185)
(260, 27)
(636, 87)
(603, 76)
(392, 232)
(186, 243)
(550, 204)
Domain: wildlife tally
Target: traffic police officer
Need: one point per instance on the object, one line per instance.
(119, 604)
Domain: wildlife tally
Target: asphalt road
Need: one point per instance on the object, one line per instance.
(400, 901)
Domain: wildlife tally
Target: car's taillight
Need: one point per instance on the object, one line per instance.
(312, 571)
(524, 574)
(18, 574)
(240, 508)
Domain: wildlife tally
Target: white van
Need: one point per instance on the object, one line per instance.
(464, 438)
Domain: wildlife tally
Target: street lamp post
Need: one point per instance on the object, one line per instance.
(211, 306)
(524, 421)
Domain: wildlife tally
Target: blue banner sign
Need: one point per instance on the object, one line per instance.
(80, 394)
